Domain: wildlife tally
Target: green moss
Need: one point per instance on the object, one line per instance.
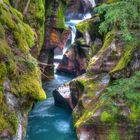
(19, 66)
(135, 113)
(40, 11)
(106, 117)
(13, 120)
(93, 50)
(31, 88)
(35, 17)
(125, 58)
(61, 16)
(88, 114)
(40, 19)
(87, 25)
(16, 64)
(48, 8)
(41, 37)
(23, 34)
(8, 119)
(2, 32)
(107, 41)
(112, 112)
(31, 64)
(129, 95)
(113, 134)
(5, 49)
(17, 14)
(7, 2)
(24, 37)
(6, 18)
(3, 72)
(3, 123)
(90, 86)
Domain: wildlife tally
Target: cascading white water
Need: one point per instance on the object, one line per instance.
(72, 25)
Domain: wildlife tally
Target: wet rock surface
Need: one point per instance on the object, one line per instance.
(75, 59)
(62, 97)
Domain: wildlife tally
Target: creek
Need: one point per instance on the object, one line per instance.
(47, 121)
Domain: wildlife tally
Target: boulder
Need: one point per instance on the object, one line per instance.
(62, 97)
(75, 59)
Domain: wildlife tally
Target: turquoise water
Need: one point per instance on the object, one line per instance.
(48, 122)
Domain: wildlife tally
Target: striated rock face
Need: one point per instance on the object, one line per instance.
(108, 56)
(105, 108)
(109, 116)
(75, 59)
(17, 67)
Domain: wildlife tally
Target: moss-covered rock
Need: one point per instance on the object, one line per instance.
(89, 25)
(20, 83)
(106, 111)
(116, 107)
(109, 109)
(8, 119)
(34, 15)
(56, 12)
(125, 58)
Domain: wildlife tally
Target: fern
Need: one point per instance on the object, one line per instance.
(123, 15)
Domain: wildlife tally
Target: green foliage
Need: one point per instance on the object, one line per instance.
(113, 134)
(106, 117)
(127, 91)
(123, 15)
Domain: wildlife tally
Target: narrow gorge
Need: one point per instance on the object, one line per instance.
(69, 70)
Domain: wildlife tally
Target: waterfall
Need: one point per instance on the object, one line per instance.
(72, 25)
